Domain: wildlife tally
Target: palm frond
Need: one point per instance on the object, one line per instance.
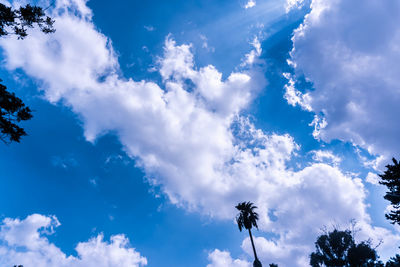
(247, 217)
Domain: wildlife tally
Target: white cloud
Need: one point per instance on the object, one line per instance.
(295, 97)
(291, 4)
(372, 178)
(179, 135)
(252, 57)
(24, 242)
(376, 164)
(250, 4)
(189, 134)
(271, 251)
(325, 156)
(349, 50)
(320, 195)
(223, 258)
(319, 124)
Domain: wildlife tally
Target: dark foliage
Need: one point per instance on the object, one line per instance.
(273, 265)
(17, 21)
(12, 111)
(393, 262)
(391, 178)
(338, 249)
(247, 218)
(362, 255)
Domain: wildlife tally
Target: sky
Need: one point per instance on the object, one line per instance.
(153, 119)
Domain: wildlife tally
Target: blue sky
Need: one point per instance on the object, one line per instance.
(153, 119)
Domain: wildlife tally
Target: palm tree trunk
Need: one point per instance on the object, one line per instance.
(252, 243)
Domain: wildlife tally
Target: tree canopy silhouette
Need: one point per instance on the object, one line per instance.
(393, 262)
(338, 249)
(12, 109)
(17, 21)
(391, 178)
(247, 218)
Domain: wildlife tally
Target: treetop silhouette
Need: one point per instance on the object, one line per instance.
(247, 218)
(12, 109)
(338, 249)
(18, 20)
(391, 178)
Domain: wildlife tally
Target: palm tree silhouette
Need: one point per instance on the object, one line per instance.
(247, 218)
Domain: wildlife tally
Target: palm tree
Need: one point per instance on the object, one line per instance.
(247, 218)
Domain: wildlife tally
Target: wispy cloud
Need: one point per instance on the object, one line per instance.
(291, 4)
(325, 156)
(250, 4)
(149, 28)
(205, 43)
(64, 162)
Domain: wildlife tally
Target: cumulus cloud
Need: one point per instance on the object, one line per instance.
(318, 195)
(349, 50)
(219, 258)
(24, 242)
(189, 133)
(180, 132)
